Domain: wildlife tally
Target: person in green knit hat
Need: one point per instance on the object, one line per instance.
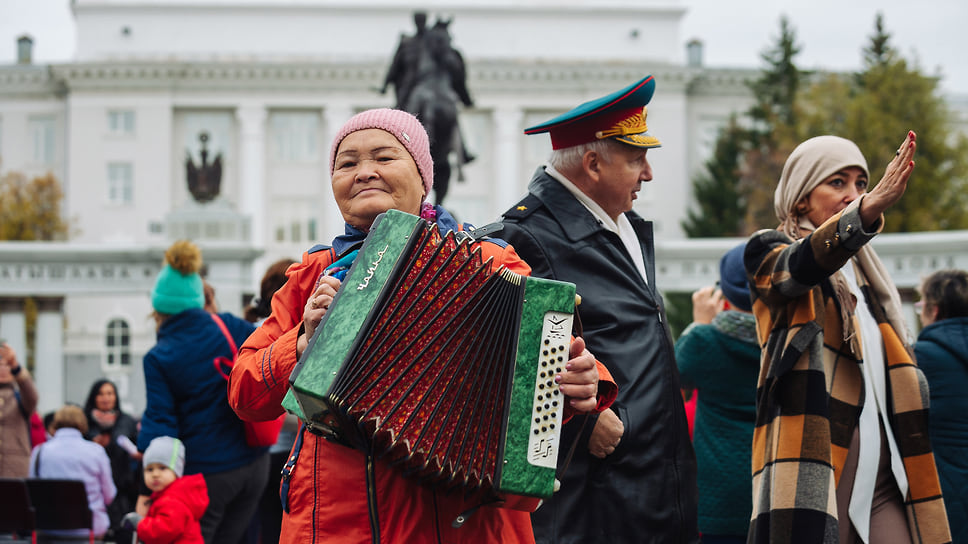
(719, 357)
(187, 397)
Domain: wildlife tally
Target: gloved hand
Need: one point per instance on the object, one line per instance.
(130, 521)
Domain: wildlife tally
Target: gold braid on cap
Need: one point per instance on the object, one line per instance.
(630, 125)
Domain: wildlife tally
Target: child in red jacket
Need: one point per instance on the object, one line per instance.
(177, 503)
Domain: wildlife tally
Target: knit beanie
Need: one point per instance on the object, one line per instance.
(167, 451)
(179, 286)
(405, 127)
(732, 278)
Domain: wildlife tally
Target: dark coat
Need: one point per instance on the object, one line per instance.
(188, 398)
(646, 490)
(942, 354)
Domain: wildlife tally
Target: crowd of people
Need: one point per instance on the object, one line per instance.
(812, 418)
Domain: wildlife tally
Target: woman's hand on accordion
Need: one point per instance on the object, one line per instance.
(316, 307)
(579, 381)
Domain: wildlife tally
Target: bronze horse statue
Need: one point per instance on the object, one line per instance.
(439, 82)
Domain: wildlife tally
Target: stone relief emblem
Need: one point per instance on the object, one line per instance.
(204, 180)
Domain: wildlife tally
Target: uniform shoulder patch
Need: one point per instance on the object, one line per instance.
(524, 208)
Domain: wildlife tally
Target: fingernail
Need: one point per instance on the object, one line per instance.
(912, 163)
(910, 134)
(911, 144)
(558, 378)
(568, 366)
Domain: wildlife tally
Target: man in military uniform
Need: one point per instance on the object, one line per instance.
(632, 477)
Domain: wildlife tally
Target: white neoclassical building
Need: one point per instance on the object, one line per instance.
(269, 83)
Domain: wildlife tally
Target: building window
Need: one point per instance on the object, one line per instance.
(117, 342)
(121, 122)
(120, 183)
(43, 138)
(294, 136)
(311, 230)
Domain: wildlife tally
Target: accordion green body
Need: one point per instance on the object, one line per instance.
(430, 360)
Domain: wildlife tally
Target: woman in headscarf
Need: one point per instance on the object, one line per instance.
(380, 160)
(841, 450)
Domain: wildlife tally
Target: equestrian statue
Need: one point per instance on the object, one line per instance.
(429, 77)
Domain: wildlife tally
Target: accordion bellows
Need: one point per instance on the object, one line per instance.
(429, 359)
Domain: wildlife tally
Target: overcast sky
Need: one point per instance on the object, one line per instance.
(831, 33)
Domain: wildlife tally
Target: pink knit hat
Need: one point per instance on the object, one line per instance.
(405, 127)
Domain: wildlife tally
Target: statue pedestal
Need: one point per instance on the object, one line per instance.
(214, 221)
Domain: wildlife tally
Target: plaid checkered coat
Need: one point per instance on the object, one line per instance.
(810, 391)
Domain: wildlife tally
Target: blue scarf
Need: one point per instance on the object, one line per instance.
(353, 236)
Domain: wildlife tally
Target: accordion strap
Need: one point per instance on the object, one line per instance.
(476, 235)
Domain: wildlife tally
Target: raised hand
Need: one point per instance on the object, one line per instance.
(891, 187)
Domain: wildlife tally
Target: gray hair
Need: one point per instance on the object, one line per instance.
(570, 158)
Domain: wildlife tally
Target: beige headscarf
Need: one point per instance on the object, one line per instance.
(807, 166)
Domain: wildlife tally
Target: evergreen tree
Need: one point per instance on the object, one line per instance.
(879, 51)
(721, 206)
(776, 90)
(775, 116)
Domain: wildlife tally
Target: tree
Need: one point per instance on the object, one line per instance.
(721, 205)
(875, 108)
(775, 115)
(31, 209)
(776, 89)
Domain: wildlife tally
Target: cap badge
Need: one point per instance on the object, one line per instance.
(630, 125)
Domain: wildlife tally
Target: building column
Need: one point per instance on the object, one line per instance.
(49, 354)
(252, 168)
(334, 116)
(13, 325)
(507, 139)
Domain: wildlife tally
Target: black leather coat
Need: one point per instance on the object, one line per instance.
(646, 490)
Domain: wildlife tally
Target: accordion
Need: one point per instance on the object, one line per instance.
(431, 361)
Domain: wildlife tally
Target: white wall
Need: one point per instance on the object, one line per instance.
(613, 29)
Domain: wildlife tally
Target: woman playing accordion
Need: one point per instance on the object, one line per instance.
(380, 160)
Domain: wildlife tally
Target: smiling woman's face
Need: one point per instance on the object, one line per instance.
(373, 173)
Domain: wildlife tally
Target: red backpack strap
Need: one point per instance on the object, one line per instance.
(219, 361)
